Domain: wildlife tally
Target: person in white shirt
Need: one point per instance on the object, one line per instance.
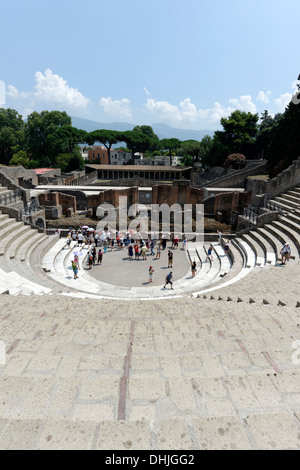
(285, 253)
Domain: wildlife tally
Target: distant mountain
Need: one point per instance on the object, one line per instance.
(163, 131)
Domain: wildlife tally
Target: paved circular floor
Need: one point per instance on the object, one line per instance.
(119, 270)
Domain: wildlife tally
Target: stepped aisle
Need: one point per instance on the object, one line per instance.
(164, 375)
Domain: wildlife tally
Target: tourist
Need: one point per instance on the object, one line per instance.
(69, 242)
(226, 248)
(136, 251)
(170, 259)
(75, 269)
(80, 239)
(130, 251)
(285, 253)
(193, 267)
(94, 254)
(176, 242)
(100, 256)
(58, 231)
(90, 260)
(76, 259)
(209, 253)
(220, 237)
(158, 250)
(172, 242)
(152, 244)
(151, 271)
(144, 252)
(169, 280)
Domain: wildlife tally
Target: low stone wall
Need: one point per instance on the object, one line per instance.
(282, 182)
(238, 178)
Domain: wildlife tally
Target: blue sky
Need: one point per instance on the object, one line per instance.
(185, 63)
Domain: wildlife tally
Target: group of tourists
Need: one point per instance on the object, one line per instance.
(99, 242)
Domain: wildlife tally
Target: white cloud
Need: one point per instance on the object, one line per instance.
(12, 92)
(53, 89)
(186, 112)
(119, 109)
(147, 91)
(283, 101)
(244, 103)
(219, 111)
(264, 97)
(49, 90)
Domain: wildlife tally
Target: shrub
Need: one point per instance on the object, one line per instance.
(236, 161)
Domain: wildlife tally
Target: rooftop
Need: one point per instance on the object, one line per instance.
(139, 167)
(41, 171)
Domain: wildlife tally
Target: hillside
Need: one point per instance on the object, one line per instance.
(163, 131)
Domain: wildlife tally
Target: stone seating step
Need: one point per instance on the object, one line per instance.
(9, 238)
(279, 230)
(288, 201)
(270, 254)
(17, 284)
(295, 217)
(18, 242)
(284, 205)
(260, 254)
(24, 251)
(249, 253)
(285, 227)
(273, 240)
(6, 222)
(292, 196)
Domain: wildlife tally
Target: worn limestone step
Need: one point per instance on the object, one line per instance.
(270, 254)
(283, 204)
(288, 201)
(19, 241)
(7, 240)
(260, 254)
(283, 235)
(24, 251)
(248, 250)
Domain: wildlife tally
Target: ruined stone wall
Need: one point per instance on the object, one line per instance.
(57, 199)
(282, 182)
(111, 196)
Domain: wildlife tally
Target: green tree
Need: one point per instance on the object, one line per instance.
(20, 158)
(240, 131)
(170, 145)
(42, 139)
(266, 130)
(136, 141)
(69, 161)
(154, 144)
(12, 134)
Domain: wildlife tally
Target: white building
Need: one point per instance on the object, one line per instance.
(84, 153)
(119, 157)
(158, 160)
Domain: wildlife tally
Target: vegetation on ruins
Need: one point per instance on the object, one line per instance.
(48, 139)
